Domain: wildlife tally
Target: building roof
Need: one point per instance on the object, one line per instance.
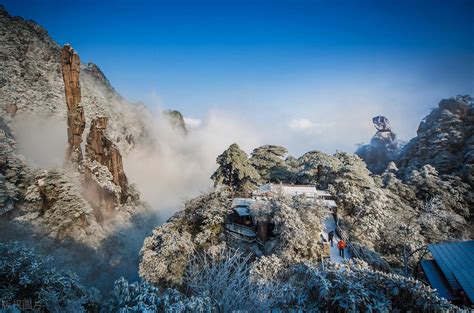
(456, 261)
(298, 190)
(242, 210)
(330, 203)
(465, 278)
(435, 278)
(308, 190)
(242, 202)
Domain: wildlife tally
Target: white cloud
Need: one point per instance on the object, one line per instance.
(301, 124)
(192, 123)
(304, 125)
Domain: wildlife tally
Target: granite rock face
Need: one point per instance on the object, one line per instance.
(445, 140)
(71, 65)
(56, 204)
(13, 170)
(176, 120)
(31, 83)
(102, 150)
(55, 199)
(87, 208)
(47, 202)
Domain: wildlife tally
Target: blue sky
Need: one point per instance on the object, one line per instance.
(316, 71)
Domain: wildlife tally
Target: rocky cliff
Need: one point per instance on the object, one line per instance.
(176, 120)
(76, 122)
(445, 140)
(105, 180)
(31, 82)
(87, 215)
(93, 221)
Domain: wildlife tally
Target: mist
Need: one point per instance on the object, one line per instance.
(170, 167)
(175, 166)
(42, 141)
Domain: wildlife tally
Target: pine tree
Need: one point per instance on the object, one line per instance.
(235, 171)
(266, 157)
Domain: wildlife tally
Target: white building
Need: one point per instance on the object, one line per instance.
(309, 191)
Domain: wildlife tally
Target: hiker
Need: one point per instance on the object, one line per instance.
(341, 245)
(331, 237)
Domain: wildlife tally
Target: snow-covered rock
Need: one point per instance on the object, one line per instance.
(31, 82)
(445, 140)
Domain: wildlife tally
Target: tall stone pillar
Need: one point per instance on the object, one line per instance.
(76, 122)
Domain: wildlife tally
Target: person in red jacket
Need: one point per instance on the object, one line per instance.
(341, 245)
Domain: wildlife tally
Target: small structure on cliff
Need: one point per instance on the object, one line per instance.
(240, 222)
(310, 192)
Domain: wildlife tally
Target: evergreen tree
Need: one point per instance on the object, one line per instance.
(235, 171)
(268, 161)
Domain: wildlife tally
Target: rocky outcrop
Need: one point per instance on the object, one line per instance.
(63, 212)
(102, 150)
(13, 170)
(76, 122)
(176, 120)
(382, 149)
(30, 67)
(95, 72)
(269, 163)
(39, 78)
(10, 109)
(31, 83)
(445, 140)
(47, 202)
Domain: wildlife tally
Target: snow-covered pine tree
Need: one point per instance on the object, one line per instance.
(268, 161)
(235, 171)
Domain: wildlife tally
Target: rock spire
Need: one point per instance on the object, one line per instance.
(70, 64)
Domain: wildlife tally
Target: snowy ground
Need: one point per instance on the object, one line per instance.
(330, 224)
